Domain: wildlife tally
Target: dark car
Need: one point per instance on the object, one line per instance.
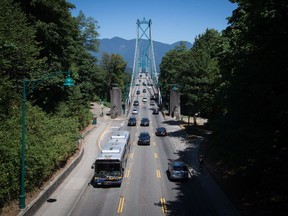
(155, 111)
(138, 92)
(144, 138)
(136, 103)
(144, 91)
(161, 131)
(177, 170)
(144, 122)
(132, 121)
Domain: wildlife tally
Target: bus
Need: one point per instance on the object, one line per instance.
(111, 161)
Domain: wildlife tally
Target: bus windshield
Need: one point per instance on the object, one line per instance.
(108, 169)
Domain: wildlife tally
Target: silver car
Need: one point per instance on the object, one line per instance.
(135, 110)
(178, 170)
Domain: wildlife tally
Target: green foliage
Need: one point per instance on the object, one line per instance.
(37, 39)
(172, 63)
(18, 49)
(50, 141)
(196, 72)
(238, 80)
(251, 129)
(88, 27)
(114, 67)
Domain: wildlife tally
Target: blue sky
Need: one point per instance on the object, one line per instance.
(172, 20)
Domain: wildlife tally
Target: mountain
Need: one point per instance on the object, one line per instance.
(126, 48)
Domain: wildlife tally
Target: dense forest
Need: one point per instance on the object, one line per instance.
(39, 39)
(237, 79)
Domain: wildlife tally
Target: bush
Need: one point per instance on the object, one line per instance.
(50, 141)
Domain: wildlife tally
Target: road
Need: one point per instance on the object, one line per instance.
(145, 190)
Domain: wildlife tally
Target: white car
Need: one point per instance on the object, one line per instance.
(135, 110)
(144, 99)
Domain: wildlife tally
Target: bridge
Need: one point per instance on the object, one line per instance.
(144, 74)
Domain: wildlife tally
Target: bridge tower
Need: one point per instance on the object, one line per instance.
(144, 59)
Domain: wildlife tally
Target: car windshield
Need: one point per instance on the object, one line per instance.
(144, 135)
(180, 168)
(108, 169)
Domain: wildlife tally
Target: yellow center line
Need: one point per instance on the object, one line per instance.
(155, 155)
(127, 173)
(120, 205)
(163, 205)
(131, 155)
(158, 173)
(154, 143)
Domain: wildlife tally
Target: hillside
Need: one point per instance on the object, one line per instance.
(126, 48)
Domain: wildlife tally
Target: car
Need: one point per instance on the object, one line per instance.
(135, 110)
(161, 131)
(144, 138)
(178, 170)
(152, 103)
(138, 92)
(132, 121)
(136, 103)
(155, 111)
(144, 122)
(144, 99)
(144, 91)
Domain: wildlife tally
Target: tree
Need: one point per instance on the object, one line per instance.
(201, 80)
(196, 72)
(170, 68)
(250, 133)
(89, 35)
(19, 51)
(114, 66)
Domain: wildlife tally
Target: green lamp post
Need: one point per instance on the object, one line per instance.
(69, 82)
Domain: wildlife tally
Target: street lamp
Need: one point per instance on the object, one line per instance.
(102, 107)
(33, 84)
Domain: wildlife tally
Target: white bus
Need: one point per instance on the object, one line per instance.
(111, 161)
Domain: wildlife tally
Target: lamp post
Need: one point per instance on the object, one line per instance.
(102, 107)
(68, 82)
